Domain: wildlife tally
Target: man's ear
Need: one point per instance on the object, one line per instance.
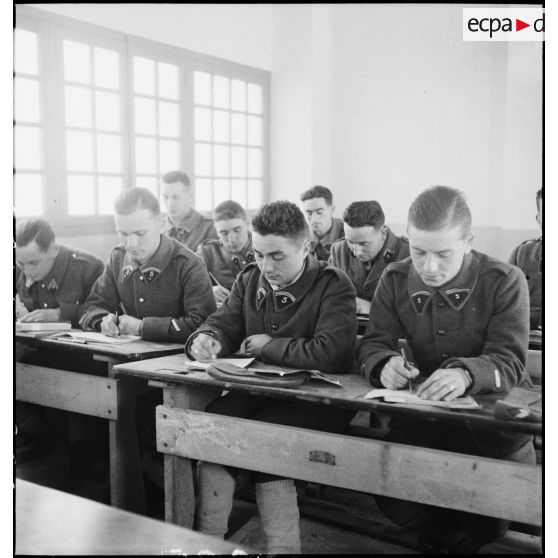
(469, 243)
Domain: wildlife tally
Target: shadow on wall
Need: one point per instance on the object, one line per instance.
(99, 245)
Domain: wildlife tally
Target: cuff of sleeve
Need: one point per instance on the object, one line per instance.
(155, 329)
(485, 374)
(69, 312)
(274, 351)
(373, 365)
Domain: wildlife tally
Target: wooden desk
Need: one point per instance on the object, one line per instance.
(510, 490)
(101, 396)
(49, 521)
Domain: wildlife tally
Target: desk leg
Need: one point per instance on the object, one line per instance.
(180, 497)
(126, 479)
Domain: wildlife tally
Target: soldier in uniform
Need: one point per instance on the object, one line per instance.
(182, 221)
(368, 247)
(160, 288)
(325, 229)
(465, 318)
(291, 310)
(226, 257)
(529, 257)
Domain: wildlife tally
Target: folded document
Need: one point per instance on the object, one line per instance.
(405, 396)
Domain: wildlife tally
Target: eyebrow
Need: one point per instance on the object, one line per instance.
(271, 253)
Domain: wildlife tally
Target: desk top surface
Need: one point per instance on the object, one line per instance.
(49, 521)
(134, 350)
(172, 369)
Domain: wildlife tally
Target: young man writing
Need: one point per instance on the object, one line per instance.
(226, 257)
(465, 318)
(290, 310)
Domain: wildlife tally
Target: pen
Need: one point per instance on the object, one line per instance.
(117, 321)
(214, 279)
(408, 367)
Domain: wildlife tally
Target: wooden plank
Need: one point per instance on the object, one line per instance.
(69, 391)
(534, 366)
(180, 497)
(480, 485)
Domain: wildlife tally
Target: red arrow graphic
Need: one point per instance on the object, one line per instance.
(519, 25)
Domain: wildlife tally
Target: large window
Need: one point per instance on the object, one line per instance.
(97, 111)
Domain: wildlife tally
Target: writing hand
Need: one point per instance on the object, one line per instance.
(205, 348)
(220, 294)
(42, 315)
(128, 325)
(394, 375)
(255, 344)
(109, 326)
(444, 384)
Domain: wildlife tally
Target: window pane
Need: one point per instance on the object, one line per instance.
(220, 92)
(238, 193)
(202, 124)
(28, 194)
(255, 194)
(202, 88)
(107, 111)
(220, 191)
(168, 81)
(78, 106)
(255, 130)
(169, 157)
(25, 52)
(79, 151)
(77, 62)
(81, 195)
(149, 182)
(26, 100)
(255, 103)
(255, 163)
(108, 153)
(145, 116)
(146, 156)
(220, 160)
(238, 155)
(238, 128)
(144, 76)
(106, 68)
(203, 194)
(203, 159)
(109, 187)
(238, 95)
(221, 125)
(169, 119)
(27, 148)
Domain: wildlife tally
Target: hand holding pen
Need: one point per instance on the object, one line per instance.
(110, 325)
(398, 373)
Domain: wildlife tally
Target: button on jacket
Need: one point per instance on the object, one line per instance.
(395, 248)
(171, 292)
(320, 247)
(66, 286)
(312, 322)
(224, 265)
(191, 230)
(529, 257)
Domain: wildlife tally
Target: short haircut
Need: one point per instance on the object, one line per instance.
(176, 176)
(35, 229)
(132, 199)
(439, 207)
(318, 192)
(281, 218)
(364, 214)
(228, 210)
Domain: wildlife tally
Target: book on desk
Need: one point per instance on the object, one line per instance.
(42, 326)
(93, 337)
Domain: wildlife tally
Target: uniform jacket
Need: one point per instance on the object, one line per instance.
(312, 322)
(173, 284)
(221, 263)
(529, 257)
(66, 286)
(477, 321)
(191, 230)
(395, 249)
(320, 247)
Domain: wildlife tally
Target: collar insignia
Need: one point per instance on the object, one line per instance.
(53, 285)
(151, 273)
(388, 255)
(283, 299)
(127, 271)
(260, 296)
(420, 301)
(457, 296)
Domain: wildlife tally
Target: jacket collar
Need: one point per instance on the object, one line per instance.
(53, 279)
(246, 255)
(184, 224)
(286, 297)
(456, 293)
(335, 232)
(152, 268)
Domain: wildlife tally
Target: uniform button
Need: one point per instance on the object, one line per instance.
(366, 288)
(74, 256)
(141, 299)
(445, 355)
(441, 303)
(141, 277)
(274, 327)
(45, 304)
(43, 285)
(441, 332)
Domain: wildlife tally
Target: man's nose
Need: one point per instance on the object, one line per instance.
(431, 263)
(131, 241)
(267, 265)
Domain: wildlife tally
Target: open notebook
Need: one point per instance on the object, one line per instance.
(93, 337)
(43, 326)
(405, 396)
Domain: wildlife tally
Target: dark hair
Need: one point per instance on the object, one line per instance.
(131, 199)
(282, 218)
(318, 192)
(438, 207)
(364, 214)
(176, 176)
(37, 230)
(228, 210)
